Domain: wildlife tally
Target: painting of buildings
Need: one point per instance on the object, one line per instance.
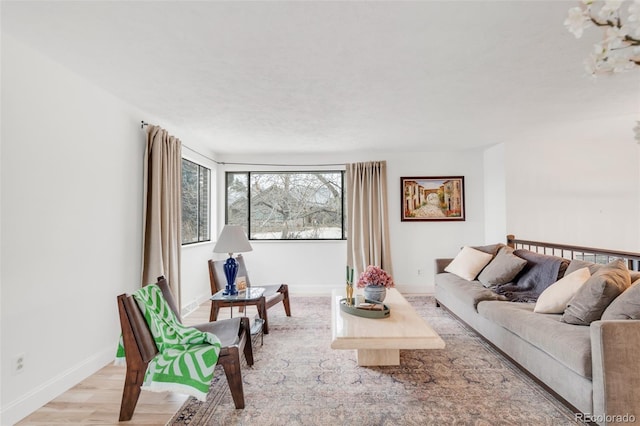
(432, 198)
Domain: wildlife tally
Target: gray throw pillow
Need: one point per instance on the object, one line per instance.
(579, 264)
(593, 267)
(502, 269)
(607, 283)
(492, 249)
(625, 306)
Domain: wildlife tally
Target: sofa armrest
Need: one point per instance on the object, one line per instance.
(615, 351)
(441, 264)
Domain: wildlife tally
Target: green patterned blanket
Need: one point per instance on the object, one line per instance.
(186, 358)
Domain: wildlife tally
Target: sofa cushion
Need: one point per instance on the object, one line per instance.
(625, 306)
(468, 263)
(492, 249)
(502, 269)
(593, 267)
(607, 283)
(569, 344)
(576, 264)
(470, 292)
(555, 298)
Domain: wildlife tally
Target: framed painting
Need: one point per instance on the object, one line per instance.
(432, 198)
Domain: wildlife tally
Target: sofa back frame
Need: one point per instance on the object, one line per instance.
(589, 254)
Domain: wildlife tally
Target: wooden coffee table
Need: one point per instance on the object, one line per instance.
(378, 341)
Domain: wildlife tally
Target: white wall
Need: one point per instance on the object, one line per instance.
(415, 245)
(576, 183)
(495, 201)
(317, 267)
(71, 225)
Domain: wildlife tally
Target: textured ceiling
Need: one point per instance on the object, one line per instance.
(306, 77)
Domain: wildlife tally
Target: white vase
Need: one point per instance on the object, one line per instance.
(376, 293)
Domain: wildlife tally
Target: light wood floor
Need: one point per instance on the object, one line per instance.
(96, 400)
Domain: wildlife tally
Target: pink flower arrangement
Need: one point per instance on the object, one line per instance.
(374, 275)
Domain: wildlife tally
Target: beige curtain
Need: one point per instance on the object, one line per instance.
(367, 216)
(162, 210)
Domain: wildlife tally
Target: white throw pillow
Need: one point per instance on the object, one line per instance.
(468, 263)
(554, 299)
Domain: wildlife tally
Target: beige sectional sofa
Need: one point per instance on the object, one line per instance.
(594, 369)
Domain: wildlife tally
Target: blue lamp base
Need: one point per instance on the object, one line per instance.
(230, 272)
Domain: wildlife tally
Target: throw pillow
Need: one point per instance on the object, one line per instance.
(593, 267)
(468, 263)
(554, 299)
(625, 306)
(492, 249)
(594, 296)
(502, 269)
(579, 264)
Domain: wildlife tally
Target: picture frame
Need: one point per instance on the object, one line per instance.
(241, 283)
(432, 198)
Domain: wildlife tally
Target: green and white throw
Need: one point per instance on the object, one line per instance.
(187, 356)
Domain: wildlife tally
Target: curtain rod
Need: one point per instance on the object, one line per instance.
(224, 163)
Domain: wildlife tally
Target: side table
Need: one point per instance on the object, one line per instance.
(250, 296)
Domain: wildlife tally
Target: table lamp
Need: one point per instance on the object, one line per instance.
(232, 239)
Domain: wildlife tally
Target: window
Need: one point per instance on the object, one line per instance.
(195, 202)
(286, 205)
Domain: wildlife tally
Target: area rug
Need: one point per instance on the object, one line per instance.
(297, 379)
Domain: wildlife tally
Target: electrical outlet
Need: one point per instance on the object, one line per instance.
(18, 364)
(419, 271)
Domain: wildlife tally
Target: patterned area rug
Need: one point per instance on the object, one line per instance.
(297, 379)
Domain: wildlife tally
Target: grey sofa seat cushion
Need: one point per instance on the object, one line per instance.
(569, 344)
(471, 292)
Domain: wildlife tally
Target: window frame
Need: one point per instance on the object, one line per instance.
(199, 197)
(247, 224)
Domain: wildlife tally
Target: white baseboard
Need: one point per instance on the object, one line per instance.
(26, 404)
(194, 304)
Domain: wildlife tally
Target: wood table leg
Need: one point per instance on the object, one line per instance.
(215, 308)
(262, 309)
(284, 289)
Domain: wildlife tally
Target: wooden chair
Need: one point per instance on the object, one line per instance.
(273, 294)
(140, 348)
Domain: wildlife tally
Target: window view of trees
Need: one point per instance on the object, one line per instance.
(286, 205)
(195, 202)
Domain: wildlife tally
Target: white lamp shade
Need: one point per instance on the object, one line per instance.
(232, 239)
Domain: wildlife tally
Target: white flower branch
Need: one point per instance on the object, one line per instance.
(620, 49)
